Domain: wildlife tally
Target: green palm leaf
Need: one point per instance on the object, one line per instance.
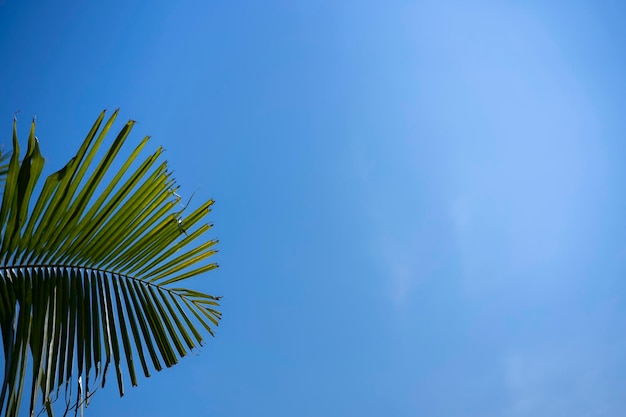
(87, 271)
(4, 168)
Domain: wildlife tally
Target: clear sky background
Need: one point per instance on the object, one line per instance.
(420, 205)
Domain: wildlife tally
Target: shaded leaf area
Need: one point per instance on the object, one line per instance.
(89, 273)
(4, 168)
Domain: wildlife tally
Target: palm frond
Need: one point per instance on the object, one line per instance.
(87, 271)
(4, 167)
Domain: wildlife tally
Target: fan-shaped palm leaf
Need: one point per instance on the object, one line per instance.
(90, 270)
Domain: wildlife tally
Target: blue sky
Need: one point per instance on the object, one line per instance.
(420, 205)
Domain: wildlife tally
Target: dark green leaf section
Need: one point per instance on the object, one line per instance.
(86, 272)
(4, 168)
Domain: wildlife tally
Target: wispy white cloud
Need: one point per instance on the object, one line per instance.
(571, 378)
(404, 266)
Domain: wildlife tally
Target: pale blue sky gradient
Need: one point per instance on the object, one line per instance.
(420, 205)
